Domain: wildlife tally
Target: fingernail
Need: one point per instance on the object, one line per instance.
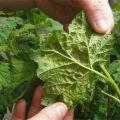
(102, 25)
(61, 109)
(21, 101)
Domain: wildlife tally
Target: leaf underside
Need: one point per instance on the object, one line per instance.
(67, 62)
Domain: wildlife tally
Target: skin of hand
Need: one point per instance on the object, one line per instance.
(98, 12)
(57, 111)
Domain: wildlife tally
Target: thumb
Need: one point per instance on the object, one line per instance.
(56, 111)
(99, 15)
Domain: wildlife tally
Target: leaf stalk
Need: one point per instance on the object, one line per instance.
(110, 80)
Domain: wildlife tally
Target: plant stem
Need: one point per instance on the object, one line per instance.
(110, 80)
(108, 102)
(113, 97)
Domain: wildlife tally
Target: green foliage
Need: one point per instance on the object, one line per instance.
(67, 62)
(16, 69)
(7, 25)
(34, 47)
(5, 77)
(111, 106)
(15, 78)
(114, 69)
(22, 71)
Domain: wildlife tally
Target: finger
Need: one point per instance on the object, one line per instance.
(19, 110)
(36, 100)
(56, 111)
(58, 12)
(99, 15)
(69, 115)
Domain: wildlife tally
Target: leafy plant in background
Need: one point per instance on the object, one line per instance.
(19, 34)
(34, 48)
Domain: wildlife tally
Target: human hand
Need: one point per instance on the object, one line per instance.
(57, 111)
(98, 12)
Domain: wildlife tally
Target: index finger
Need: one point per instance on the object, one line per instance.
(36, 100)
(19, 110)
